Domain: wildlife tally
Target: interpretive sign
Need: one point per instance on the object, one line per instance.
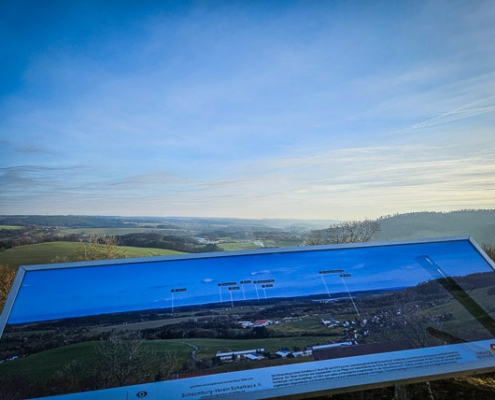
(250, 325)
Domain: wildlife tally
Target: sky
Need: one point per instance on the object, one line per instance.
(248, 109)
(166, 283)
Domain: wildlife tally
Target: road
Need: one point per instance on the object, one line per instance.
(194, 352)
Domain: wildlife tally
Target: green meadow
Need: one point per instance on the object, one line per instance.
(236, 246)
(257, 244)
(41, 366)
(45, 253)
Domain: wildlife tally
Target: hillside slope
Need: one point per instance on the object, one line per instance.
(45, 253)
(480, 224)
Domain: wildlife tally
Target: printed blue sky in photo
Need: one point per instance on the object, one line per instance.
(251, 109)
(60, 293)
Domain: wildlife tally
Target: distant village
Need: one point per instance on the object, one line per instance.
(352, 333)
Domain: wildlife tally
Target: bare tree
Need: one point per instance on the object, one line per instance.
(314, 238)
(124, 360)
(7, 276)
(489, 250)
(99, 248)
(121, 360)
(345, 232)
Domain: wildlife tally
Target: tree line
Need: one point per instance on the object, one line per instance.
(33, 234)
(344, 232)
(185, 244)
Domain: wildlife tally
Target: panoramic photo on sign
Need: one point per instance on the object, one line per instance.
(254, 324)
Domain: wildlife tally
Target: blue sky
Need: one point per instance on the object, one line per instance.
(250, 109)
(56, 293)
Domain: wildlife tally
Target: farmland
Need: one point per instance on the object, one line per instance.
(45, 253)
(10, 227)
(42, 366)
(41, 240)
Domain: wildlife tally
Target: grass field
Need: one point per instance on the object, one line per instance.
(45, 253)
(41, 366)
(10, 227)
(257, 244)
(239, 246)
(209, 347)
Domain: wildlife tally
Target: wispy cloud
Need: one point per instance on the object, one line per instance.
(244, 110)
(469, 110)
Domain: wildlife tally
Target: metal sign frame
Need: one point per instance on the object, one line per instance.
(333, 282)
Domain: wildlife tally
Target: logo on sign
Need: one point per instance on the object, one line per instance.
(486, 354)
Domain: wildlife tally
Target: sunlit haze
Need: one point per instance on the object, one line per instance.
(248, 109)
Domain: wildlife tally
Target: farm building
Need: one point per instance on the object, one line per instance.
(253, 354)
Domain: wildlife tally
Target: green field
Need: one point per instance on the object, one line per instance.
(257, 244)
(45, 253)
(41, 366)
(209, 347)
(10, 227)
(235, 246)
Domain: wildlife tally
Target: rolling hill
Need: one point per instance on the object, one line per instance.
(480, 224)
(45, 253)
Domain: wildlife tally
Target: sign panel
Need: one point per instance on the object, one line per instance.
(249, 325)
